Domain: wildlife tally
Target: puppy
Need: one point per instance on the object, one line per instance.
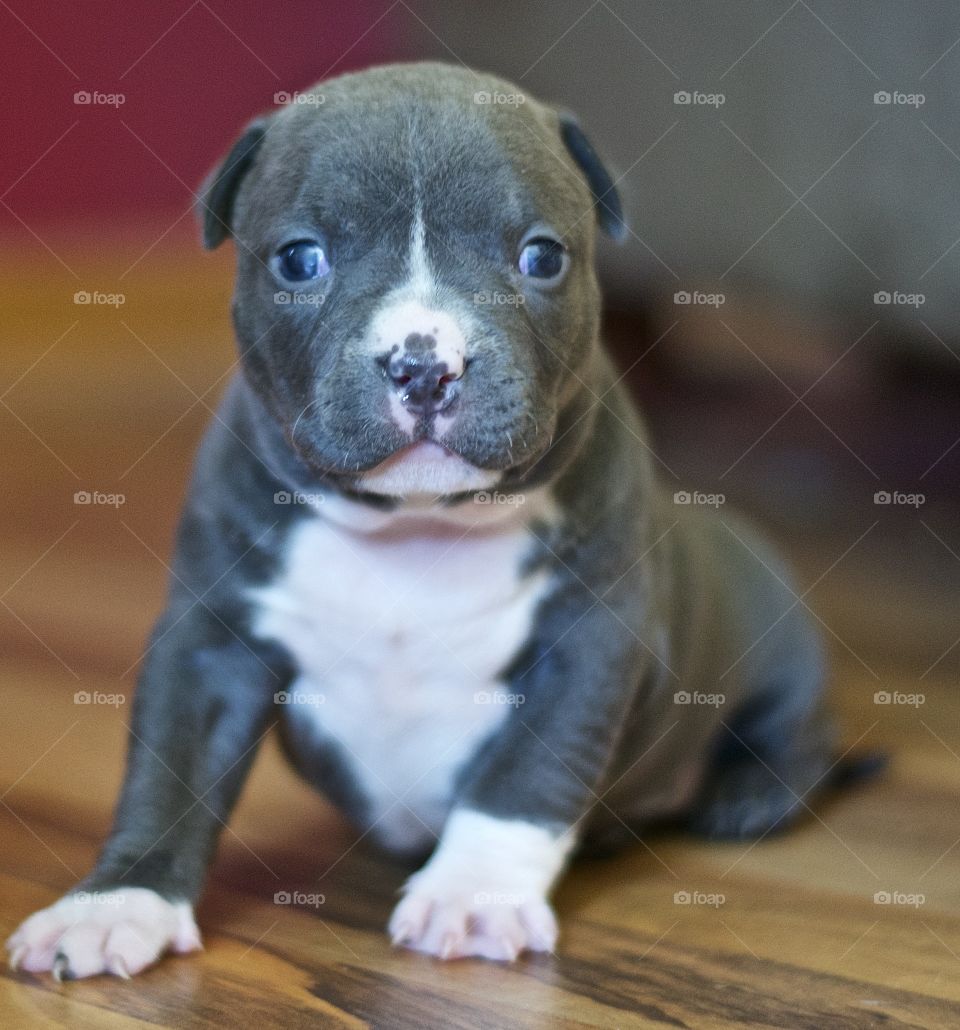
(424, 539)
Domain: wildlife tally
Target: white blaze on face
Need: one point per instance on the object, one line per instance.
(407, 324)
(410, 317)
(411, 322)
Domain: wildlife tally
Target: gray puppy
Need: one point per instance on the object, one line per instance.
(425, 537)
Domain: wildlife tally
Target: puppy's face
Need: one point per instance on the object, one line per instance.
(416, 299)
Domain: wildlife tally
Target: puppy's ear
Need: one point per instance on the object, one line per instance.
(219, 189)
(606, 199)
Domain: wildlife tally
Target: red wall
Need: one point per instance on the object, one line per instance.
(188, 84)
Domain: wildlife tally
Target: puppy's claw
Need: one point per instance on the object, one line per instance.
(510, 950)
(402, 933)
(61, 969)
(118, 967)
(448, 945)
(17, 957)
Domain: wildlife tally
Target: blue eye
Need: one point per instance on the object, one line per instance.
(542, 258)
(301, 262)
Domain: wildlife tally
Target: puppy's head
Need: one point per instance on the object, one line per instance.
(416, 301)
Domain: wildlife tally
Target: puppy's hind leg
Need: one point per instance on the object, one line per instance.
(766, 763)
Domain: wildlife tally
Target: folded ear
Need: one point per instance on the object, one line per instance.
(219, 189)
(606, 199)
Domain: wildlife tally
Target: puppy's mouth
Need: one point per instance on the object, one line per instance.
(425, 469)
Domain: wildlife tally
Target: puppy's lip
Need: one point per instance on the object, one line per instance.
(422, 450)
(425, 467)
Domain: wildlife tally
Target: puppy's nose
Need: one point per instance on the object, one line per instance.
(424, 383)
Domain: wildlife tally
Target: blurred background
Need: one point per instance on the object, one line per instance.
(784, 305)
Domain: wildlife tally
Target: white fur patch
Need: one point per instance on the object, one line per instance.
(401, 626)
(414, 309)
(405, 421)
(411, 308)
(85, 933)
(421, 283)
(398, 319)
(426, 469)
(484, 890)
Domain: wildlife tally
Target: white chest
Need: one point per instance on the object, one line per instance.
(401, 636)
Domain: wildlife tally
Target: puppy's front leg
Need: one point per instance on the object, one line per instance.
(203, 702)
(516, 819)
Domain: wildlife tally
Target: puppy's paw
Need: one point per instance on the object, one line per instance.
(745, 801)
(121, 932)
(484, 891)
(459, 920)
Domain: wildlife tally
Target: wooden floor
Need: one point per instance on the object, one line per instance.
(793, 935)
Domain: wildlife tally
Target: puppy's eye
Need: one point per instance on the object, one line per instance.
(301, 262)
(543, 258)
